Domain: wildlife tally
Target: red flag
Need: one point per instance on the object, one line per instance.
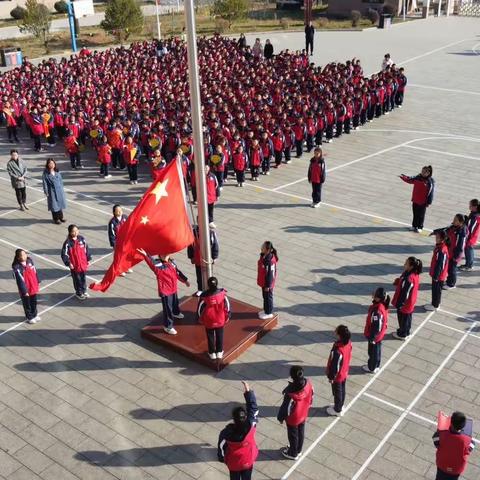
(159, 225)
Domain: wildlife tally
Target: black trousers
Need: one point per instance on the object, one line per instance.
(399, 98)
(309, 43)
(210, 208)
(356, 121)
(310, 138)
(220, 177)
(21, 194)
(287, 152)
(198, 274)
(316, 192)
(404, 324)
(329, 132)
(117, 158)
(296, 436)
(338, 390)
(363, 117)
(12, 133)
(441, 475)
(436, 293)
(240, 176)
(278, 157)
(299, 147)
(75, 160)
(104, 169)
(79, 282)
(452, 273)
(346, 125)
(215, 339)
(374, 355)
(37, 142)
(254, 171)
(371, 112)
(57, 215)
(318, 137)
(339, 129)
(170, 308)
(266, 164)
(267, 301)
(243, 475)
(133, 172)
(418, 215)
(30, 306)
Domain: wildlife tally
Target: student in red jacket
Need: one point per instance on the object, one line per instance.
(375, 329)
(72, 147)
(130, 154)
(255, 156)
(297, 400)
(266, 277)
(25, 274)
(457, 234)
(240, 165)
(438, 268)
(267, 151)
(237, 447)
(213, 192)
(168, 274)
(76, 256)
(104, 157)
(337, 369)
(300, 132)
(317, 173)
(278, 141)
(453, 448)
(405, 296)
(213, 312)
(422, 195)
(473, 226)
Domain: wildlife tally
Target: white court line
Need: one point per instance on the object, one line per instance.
(401, 409)
(441, 153)
(412, 403)
(452, 328)
(452, 314)
(423, 132)
(356, 398)
(474, 49)
(453, 90)
(18, 210)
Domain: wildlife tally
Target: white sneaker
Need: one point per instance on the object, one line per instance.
(178, 315)
(212, 225)
(367, 370)
(238, 184)
(220, 355)
(266, 316)
(448, 287)
(312, 205)
(429, 308)
(37, 318)
(197, 293)
(107, 176)
(213, 356)
(80, 297)
(32, 320)
(316, 205)
(419, 230)
(261, 315)
(331, 411)
(86, 295)
(170, 331)
(123, 274)
(221, 189)
(398, 337)
(129, 270)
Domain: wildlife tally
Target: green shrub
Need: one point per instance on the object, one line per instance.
(221, 25)
(355, 16)
(373, 16)
(389, 10)
(61, 6)
(18, 13)
(284, 23)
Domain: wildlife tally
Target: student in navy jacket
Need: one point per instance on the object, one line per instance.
(453, 448)
(194, 254)
(438, 268)
(405, 297)
(76, 256)
(473, 226)
(118, 219)
(237, 447)
(375, 328)
(168, 274)
(317, 173)
(213, 312)
(25, 274)
(297, 400)
(266, 277)
(422, 195)
(338, 366)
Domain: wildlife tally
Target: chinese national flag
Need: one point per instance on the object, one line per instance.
(159, 224)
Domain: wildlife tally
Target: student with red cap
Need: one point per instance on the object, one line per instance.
(297, 400)
(237, 447)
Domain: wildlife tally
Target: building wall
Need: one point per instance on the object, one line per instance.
(342, 8)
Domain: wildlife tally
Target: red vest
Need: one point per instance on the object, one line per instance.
(104, 153)
(346, 352)
(78, 255)
(381, 310)
(255, 158)
(452, 452)
(30, 278)
(409, 305)
(214, 314)
(167, 281)
(239, 161)
(242, 455)
(444, 273)
(303, 401)
(262, 271)
(71, 144)
(211, 189)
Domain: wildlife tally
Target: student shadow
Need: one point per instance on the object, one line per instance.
(55, 252)
(403, 249)
(374, 269)
(257, 206)
(151, 457)
(340, 230)
(23, 222)
(325, 309)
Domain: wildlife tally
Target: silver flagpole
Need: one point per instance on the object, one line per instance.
(195, 104)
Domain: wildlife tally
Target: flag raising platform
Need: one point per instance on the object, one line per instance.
(243, 330)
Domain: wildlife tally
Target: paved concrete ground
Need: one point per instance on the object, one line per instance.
(82, 396)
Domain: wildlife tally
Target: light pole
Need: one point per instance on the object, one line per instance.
(71, 23)
(195, 104)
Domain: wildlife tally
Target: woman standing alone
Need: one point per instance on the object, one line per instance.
(18, 174)
(53, 189)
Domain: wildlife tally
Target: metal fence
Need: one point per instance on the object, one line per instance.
(469, 8)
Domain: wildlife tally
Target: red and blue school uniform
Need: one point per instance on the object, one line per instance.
(297, 400)
(404, 300)
(278, 141)
(439, 271)
(456, 251)
(300, 133)
(255, 156)
(288, 144)
(167, 274)
(72, 147)
(422, 197)
(76, 255)
(104, 158)
(338, 366)
(402, 84)
(374, 331)
(213, 312)
(311, 130)
(240, 165)
(317, 173)
(195, 255)
(237, 447)
(321, 124)
(130, 153)
(113, 227)
(26, 276)
(266, 278)
(473, 226)
(213, 192)
(267, 150)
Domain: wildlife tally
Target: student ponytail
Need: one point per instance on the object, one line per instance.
(461, 218)
(16, 258)
(270, 248)
(381, 294)
(416, 264)
(296, 373)
(344, 333)
(475, 203)
(212, 284)
(430, 170)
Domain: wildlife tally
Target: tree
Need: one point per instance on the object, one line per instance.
(230, 10)
(18, 13)
(122, 18)
(37, 21)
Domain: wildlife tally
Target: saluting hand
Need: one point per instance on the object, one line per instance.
(142, 251)
(246, 386)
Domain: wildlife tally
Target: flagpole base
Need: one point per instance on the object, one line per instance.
(242, 331)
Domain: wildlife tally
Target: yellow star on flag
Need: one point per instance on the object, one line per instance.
(144, 220)
(160, 191)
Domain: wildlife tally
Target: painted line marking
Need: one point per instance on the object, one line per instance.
(452, 328)
(453, 90)
(441, 153)
(4, 214)
(412, 403)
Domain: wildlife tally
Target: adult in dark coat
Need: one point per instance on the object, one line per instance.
(268, 50)
(53, 189)
(18, 173)
(309, 35)
(242, 41)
